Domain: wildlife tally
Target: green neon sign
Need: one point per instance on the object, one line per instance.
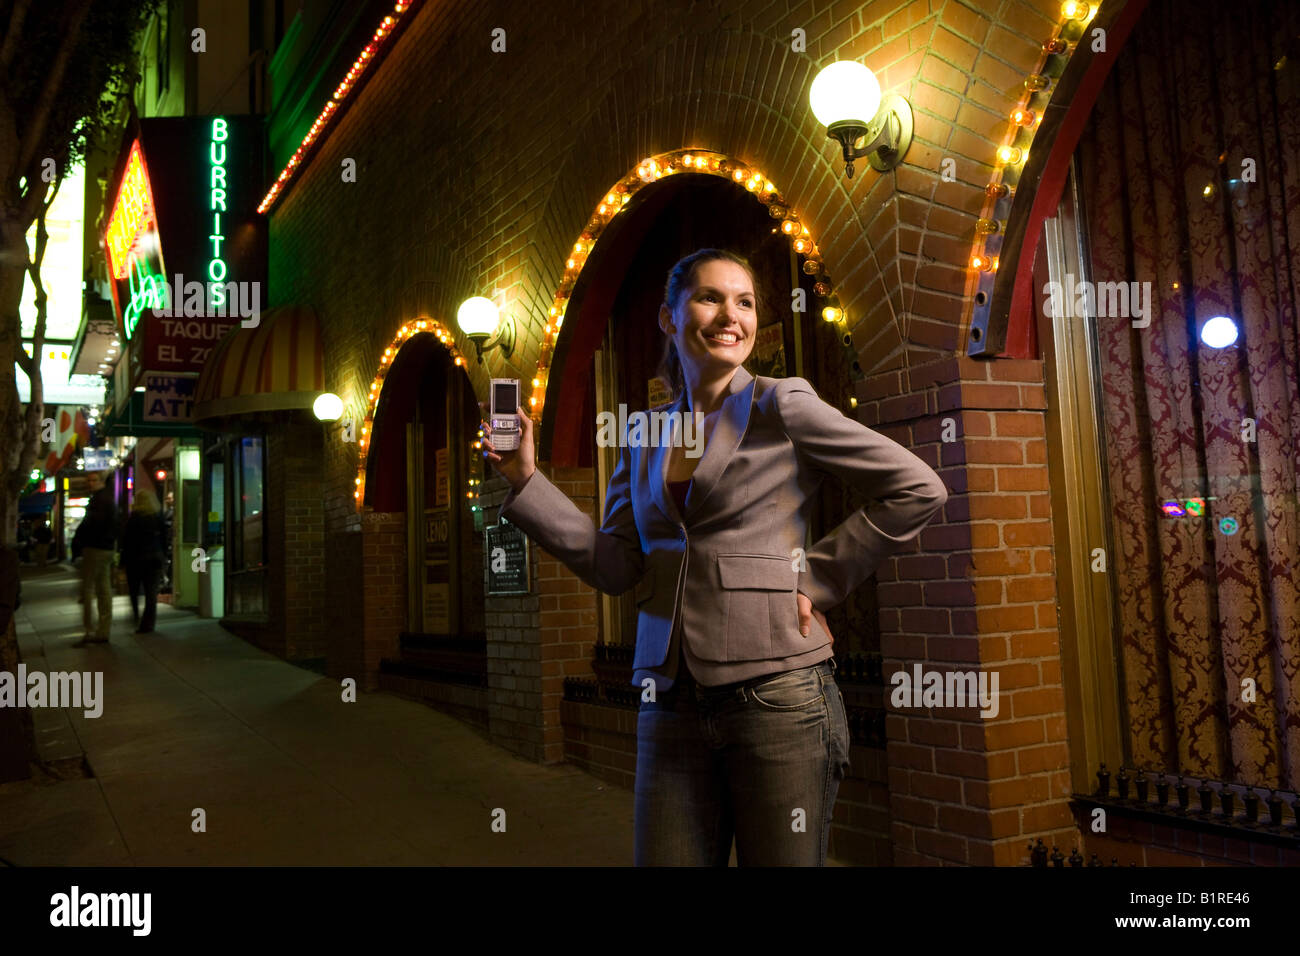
(148, 291)
(217, 205)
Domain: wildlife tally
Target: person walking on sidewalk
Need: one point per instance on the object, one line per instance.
(143, 549)
(741, 722)
(95, 537)
(42, 536)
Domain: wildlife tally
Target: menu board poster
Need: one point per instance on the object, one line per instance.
(657, 393)
(441, 490)
(437, 534)
(506, 552)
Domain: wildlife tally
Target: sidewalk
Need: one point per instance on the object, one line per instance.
(288, 774)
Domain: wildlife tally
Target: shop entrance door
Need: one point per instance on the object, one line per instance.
(433, 608)
(445, 576)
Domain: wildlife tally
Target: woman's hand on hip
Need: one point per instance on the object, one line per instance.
(515, 466)
(806, 613)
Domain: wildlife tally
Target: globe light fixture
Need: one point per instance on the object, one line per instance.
(1219, 332)
(846, 99)
(328, 407)
(479, 318)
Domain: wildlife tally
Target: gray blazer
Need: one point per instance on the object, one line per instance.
(728, 569)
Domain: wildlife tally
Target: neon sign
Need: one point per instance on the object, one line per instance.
(133, 213)
(217, 205)
(148, 291)
(183, 240)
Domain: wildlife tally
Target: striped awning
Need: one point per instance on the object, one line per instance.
(277, 366)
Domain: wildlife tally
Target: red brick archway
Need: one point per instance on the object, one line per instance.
(612, 239)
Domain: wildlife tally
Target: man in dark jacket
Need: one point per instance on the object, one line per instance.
(96, 536)
(143, 550)
(42, 535)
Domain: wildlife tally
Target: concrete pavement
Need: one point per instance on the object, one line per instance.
(286, 773)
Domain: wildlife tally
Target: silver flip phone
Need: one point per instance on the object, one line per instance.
(505, 405)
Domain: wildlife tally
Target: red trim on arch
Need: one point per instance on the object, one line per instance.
(582, 333)
(1047, 198)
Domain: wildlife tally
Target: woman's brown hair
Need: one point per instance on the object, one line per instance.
(680, 278)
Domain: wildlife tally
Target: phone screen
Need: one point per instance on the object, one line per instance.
(504, 398)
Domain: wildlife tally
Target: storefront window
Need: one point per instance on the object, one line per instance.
(249, 474)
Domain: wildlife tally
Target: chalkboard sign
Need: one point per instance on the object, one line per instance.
(506, 553)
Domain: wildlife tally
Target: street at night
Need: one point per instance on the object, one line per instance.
(474, 439)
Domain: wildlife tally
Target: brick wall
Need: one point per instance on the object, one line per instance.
(382, 587)
(976, 592)
(601, 740)
(436, 223)
(297, 459)
(535, 641)
(860, 831)
(271, 636)
(1148, 844)
(514, 665)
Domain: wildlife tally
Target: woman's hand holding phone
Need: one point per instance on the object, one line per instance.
(515, 466)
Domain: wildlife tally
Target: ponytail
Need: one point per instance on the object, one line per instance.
(670, 369)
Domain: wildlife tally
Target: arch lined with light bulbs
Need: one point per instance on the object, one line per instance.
(1030, 170)
(561, 433)
(424, 329)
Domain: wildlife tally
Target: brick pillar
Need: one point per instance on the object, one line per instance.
(976, 593)
(383, 590)
(272, 637)
(302, 554)
(536, 640)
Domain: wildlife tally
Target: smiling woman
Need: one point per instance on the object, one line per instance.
(741, 723)
(720, 314)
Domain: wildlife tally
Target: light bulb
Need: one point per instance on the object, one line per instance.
(1219, 332)
(477, 315)
(845, 91)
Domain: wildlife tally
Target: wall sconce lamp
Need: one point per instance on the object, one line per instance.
(845, 98)
(328, 407)
(479, 318)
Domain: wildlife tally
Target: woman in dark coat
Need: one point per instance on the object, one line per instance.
(143, 548)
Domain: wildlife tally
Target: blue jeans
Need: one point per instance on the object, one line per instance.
(760, 761)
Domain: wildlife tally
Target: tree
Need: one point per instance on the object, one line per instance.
(66, 66)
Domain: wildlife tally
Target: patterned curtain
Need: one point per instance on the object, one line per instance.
(1190, 177)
